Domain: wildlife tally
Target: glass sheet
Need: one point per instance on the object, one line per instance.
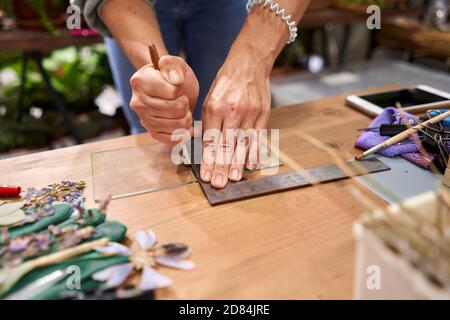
(127, 172)
(136, 170)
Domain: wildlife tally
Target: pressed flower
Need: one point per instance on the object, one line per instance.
(144, 260)
(39, 203)
(32, 245)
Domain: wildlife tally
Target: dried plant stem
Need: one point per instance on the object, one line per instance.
(339, 160)
(11, 276)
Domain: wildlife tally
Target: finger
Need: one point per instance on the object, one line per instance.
(242, 146)
(143, 104)
(167, 125)
(212, 127)
(211, 137)
(173, 69)
(149, 81)
(224, 154)
(253, 157)
(169, 139)
(244, 137)
(177, 72)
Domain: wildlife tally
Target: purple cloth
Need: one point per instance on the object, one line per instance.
(407, 149)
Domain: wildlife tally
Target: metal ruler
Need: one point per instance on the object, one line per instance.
(245, 189)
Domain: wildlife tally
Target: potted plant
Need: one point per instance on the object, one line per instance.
(37, 14)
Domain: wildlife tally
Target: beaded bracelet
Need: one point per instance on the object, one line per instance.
(275, 7)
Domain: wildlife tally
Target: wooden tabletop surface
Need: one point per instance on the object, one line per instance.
(291, 245)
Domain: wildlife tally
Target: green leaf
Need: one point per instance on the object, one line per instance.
(11, 213)
(8, 208)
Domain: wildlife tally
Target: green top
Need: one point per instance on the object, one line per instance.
(91, 10)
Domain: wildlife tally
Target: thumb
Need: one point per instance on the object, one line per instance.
(172, 69)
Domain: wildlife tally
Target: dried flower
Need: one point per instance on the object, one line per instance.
(144, 259)
(33, 245)
(39, 203)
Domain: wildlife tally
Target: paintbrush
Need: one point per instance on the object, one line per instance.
(403, 135)
(154, 56)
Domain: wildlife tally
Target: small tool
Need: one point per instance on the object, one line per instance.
(154, 56)
(9, 191)
(404, 135)
(387, 130)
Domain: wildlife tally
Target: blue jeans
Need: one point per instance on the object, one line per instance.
(203, 29)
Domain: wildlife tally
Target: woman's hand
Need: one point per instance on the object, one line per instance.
(240, 96)
(237, 106)
(165, 100)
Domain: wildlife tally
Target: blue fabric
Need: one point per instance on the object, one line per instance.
(203, 29)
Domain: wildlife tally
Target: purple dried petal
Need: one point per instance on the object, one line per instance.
(68, 183)
(43, 238)
(45, 190)
(18, 245)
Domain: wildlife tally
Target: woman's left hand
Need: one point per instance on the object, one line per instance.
(239, 98)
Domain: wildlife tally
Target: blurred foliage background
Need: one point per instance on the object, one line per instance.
(79, 75)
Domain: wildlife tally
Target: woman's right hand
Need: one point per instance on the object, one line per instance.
(165, 100)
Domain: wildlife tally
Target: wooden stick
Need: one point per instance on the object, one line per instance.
(403, 135)
(154, 56)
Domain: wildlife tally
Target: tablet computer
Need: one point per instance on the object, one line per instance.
(414, 100)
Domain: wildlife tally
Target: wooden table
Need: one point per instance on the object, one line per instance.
(291, 245)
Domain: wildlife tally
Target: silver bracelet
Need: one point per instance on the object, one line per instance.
(275, 7)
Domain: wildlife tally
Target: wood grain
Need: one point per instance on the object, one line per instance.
(296, 244)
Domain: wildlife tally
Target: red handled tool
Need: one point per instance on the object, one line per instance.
(9, 191)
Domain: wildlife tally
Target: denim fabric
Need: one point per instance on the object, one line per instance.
(203, 29)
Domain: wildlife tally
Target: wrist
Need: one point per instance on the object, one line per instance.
(262, 38)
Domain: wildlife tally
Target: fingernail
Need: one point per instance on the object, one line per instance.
(251, 166)
(235, 174)
(206, 176)
(218, 180)
(174, 76)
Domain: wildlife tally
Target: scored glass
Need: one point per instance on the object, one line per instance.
(136, 170)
